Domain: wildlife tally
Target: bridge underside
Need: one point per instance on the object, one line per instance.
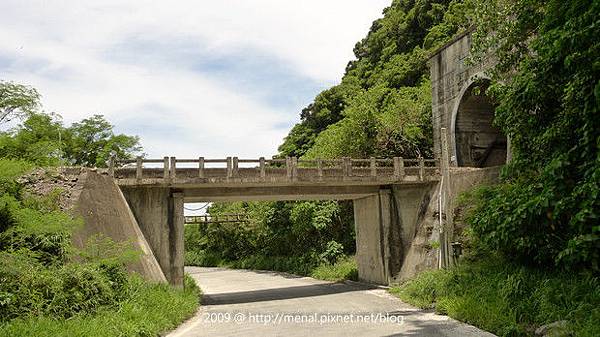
(274, 193)
(385, 217)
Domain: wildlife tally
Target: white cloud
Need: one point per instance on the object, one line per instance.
(61, 47)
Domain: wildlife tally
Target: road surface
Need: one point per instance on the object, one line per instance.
(260, 303)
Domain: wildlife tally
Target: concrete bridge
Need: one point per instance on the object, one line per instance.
(401, 206)
(156, 190)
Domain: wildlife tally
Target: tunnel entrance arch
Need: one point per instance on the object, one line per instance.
(476, 141)
(461, 106)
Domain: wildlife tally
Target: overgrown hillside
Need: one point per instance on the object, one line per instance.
(382, 107)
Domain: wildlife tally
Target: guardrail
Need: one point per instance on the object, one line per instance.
(217, 218)
(261, 169)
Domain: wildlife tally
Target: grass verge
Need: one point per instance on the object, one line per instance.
(150, 309)
(507, 299)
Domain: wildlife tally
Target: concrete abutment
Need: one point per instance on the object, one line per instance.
(386, 225)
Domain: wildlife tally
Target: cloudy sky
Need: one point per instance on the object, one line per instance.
(191, 78)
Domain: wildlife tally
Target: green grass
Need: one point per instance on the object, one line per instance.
(507, 299)
(150, 310)
(343, 269)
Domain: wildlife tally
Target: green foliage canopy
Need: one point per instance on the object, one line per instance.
(44, 140)
(382, 107)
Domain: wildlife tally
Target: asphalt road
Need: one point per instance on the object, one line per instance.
(259, 303)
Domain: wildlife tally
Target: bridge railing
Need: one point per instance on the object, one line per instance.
(286, 169)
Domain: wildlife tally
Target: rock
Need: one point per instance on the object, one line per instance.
(554, 329)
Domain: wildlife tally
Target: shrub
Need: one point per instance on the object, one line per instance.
(202, 258)
(332, 252)
(10, 170)
(148, 310)
(28, 288)
(344, 269)
(546, 86)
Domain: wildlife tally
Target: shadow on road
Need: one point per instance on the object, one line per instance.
(280, 293)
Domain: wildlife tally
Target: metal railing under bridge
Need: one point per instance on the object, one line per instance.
(217, 218)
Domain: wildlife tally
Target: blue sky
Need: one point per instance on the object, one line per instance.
(191, 78)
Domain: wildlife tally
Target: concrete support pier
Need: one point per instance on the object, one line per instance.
(159, 213)
(386, 224)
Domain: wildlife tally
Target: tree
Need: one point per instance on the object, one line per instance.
(17, 101)
(42, 139)
(36, 140)
(91, 141)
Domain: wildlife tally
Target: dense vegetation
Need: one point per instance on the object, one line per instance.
(547, 212)
(47, 287)
(534, 239)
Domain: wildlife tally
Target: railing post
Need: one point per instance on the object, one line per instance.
(261, 164)
(320, 168)
(373, 164)
(229, 167)
(347, 167)
(111, 165)
(294, 168)
(201, 167)
(173, 168)
(288, 166)
(138, 168)
(236, 163)
(421, 168)
(166, 168)
(399, 168)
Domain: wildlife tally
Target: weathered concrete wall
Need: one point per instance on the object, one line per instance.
(386, 224)
(464, 179)
(105, 211)
(370, 238)
(159, 213)
(466, 115)
(420, 254)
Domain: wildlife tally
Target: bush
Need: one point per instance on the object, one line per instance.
(344, 269)
(202, 259)
(47, 234)
(10, 170)
(525, 220)
(29, 288)
(546, 85)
